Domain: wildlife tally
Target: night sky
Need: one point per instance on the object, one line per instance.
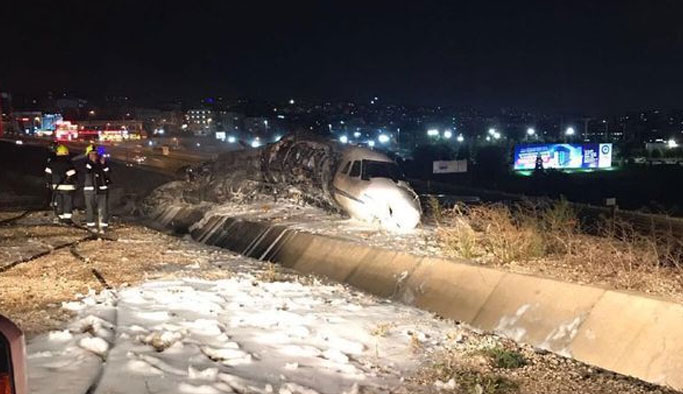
(590, 56)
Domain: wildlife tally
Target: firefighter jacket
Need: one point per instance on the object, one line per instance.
(97, 176)
(60, 174)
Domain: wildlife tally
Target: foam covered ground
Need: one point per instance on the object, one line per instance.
(420, 241)
(241, 334)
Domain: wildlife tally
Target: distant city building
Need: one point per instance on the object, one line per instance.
(230, 122)
(159, 122)
(110, 130)
(200, 122)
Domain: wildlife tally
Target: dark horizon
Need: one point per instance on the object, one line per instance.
(537, 56)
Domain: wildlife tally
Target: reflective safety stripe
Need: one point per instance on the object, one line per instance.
(70, 172)
(88, 187)
(90, 224)
(88, 166)
(105, 169)
(103, 187)
(48, 170)
(65, 216)
(63, 187)
(104, 225)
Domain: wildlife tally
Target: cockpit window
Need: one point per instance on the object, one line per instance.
(346, 168)
(355, 169)
(381, 169)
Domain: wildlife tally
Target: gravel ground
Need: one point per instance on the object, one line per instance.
(32, 294)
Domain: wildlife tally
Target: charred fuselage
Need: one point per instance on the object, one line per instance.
(309, 170)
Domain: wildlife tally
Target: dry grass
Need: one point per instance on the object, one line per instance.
(382, 330)
(273, 273)
(547, 239)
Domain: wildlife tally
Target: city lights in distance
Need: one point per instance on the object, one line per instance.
(432, 132)
(672, 143)
(530, 131)
(492, 131)
(570, 131)
(371, 143)
(255, 143)
(461, 138)
(232, 139)
(447, 134)
(383, 138)
(356, 134)
(344, 139)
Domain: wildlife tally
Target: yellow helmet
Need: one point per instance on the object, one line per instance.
(89, 149)
(62, 150)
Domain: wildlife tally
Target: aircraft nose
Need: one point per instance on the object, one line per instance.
(404, 211)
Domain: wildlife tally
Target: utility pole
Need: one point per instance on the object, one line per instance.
(585, 127)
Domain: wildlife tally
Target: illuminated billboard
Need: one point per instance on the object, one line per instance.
(588, 155)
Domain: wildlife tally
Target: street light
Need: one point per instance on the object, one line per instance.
(460, 138)
(291, 101)
(232, 139)
(344, 139)
(672, 143)
(371, 143)
(570, 131)
(432, 132)
(447, 134)
(496, 135)
(492, 131)
(356, 134)
(383, 138)
(530, 131)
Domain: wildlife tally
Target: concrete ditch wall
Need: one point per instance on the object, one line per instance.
(627, 333)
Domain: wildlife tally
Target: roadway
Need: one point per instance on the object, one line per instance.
(131, 154)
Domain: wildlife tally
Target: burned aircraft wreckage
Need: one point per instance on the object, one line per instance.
(362, 183)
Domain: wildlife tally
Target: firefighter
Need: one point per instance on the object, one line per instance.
(51, 154)
(96, 189)
(61, 179)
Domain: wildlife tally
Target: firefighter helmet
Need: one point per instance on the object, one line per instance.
(62, 150)
(89, 149)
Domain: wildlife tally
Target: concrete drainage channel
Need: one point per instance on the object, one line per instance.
(623, 332)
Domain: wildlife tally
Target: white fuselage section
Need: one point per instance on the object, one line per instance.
(368, 187)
